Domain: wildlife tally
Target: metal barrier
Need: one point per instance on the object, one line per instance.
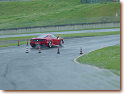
(41, 29)
(15, 42)
(98, 1)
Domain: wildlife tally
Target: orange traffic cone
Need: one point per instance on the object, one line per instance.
(81, 51)
(27, 50)
(58, 52)
(39, 50)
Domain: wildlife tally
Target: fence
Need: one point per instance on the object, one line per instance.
(98, 1)
(59, 27)
(6, 43)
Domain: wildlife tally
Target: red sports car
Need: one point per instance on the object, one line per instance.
(46, 40)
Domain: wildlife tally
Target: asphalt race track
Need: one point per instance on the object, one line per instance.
(51, 71)
(65, 32)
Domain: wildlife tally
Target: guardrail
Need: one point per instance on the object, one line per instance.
(59, 27)
(19, 42)
(98, 1)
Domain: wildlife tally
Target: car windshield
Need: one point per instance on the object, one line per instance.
(42, 36)
(52, 36)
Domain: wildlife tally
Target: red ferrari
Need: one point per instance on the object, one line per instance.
(46, 40)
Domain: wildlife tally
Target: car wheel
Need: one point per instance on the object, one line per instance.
(61, 42)
(50, 44)
(33, 46)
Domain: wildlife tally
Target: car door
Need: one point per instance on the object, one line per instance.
(55, 40)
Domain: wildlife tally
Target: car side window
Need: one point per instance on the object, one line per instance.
(52, 36)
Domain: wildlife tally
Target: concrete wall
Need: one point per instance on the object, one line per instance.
(58, 28)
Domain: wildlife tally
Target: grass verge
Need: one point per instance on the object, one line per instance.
(89, 34)
(17, 38)
(13, 44)
(108, 58)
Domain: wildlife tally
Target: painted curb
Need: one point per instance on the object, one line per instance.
(76, 61)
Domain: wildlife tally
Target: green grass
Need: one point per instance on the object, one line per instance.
(89, 34)
(108, 58)
(16, 38)
(51, 12)
(14, 44)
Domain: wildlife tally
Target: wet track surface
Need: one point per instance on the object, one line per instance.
(51, 71)
(65, 32)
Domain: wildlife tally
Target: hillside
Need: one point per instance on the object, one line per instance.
(49, 12)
